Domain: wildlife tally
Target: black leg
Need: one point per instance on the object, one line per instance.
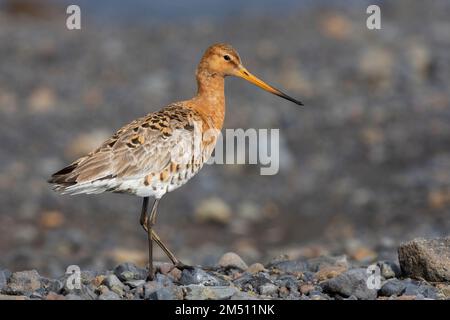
(169, 253)
(144, 209)
(144, 220)
(150, 223)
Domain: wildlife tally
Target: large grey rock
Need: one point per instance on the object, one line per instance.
(24, 282)
(427, 259)
(352, 282)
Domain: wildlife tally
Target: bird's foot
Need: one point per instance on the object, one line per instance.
(180, 265)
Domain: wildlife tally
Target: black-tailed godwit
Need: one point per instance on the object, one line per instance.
(161, 151)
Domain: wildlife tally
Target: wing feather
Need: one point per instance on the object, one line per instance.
(144, 146)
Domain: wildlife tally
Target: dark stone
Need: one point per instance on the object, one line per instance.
(351, 282)
(251, 282)
(287, 281)
(393, 287)
(426, 259)
(128, 271)
(52, 285)
(198, 276)
(421, 290)
(161, 294)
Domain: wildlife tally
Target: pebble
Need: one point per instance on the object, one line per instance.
(317, 264)
(114, 284)
(165, 268)
(240, 295)
(268, 289)
(393, 287)
(306, 288)
(128, 271)
(135, 283)
(175, 273)
(199, 292)
(42, 100)
(421, 290)
(287, 281)
(213, 210)
(351, 282)
(255, 268)
(329, 272)
(198, 276)
(232, 260)
(164, 293)
(249, 282)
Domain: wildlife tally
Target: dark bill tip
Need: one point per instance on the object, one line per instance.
(285, 96)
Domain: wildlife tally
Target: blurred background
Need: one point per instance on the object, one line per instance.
(364, 165)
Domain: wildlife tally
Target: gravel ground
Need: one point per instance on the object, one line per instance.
(321, 278)
(364, 165)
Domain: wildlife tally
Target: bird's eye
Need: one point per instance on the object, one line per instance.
(227, 57)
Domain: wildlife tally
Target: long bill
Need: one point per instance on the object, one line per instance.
(243, 73)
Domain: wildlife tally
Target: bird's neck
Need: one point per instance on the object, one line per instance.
(210, 99)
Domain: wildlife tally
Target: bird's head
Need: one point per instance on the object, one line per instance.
(223, 60)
